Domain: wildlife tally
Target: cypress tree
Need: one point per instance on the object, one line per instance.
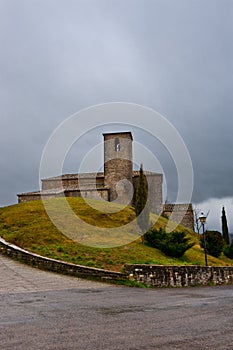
(225, 227)
(142, 209)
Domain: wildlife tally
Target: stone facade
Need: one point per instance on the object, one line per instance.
(71, 181)
(180, 276)
(154, 182)
(118, 182)
(118, 168)
(180, 213)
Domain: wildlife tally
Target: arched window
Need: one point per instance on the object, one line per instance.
(117, 145)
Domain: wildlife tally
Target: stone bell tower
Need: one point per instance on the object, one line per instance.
(118, 166)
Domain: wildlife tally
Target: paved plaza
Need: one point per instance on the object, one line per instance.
(43, 310)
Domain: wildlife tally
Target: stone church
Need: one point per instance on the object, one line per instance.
(117, 183)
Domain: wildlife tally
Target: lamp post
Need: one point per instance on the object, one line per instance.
(202, 219)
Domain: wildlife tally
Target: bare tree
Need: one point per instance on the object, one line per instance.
(197, 224)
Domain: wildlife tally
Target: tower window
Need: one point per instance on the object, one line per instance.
(117, 145)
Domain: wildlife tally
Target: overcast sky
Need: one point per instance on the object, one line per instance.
(175, 56)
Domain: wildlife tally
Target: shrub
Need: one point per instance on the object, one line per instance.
(228, 251)
(163, 215)
(154, 237)
(214, 243)
(173, 244)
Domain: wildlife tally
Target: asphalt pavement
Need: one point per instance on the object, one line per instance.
(43, 310)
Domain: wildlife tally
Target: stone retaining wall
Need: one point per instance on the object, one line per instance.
(150, 275)
(44, 263)
(180, 276)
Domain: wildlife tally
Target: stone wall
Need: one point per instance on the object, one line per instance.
(101, 193)
(70, 181)
(180, 213)
(35, 196)
(180, 276)
(22, 198)
(154, 182)
(150, 275)
(52, 184)
(43, 263)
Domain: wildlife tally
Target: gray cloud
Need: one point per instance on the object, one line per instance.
(60, 56)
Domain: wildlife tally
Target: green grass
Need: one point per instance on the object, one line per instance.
(28, 226)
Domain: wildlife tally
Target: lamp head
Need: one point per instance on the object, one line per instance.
(202, 218)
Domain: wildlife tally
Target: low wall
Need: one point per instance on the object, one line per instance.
(180, 276)
(150, 275)
(48, 264)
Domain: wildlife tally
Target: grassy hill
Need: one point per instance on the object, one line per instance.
(28, 226)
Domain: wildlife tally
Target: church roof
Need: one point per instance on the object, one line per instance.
(94, 175)
(75, 176)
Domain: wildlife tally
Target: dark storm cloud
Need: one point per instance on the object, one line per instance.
(59, 56)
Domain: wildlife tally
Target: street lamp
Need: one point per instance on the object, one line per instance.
(202, 219)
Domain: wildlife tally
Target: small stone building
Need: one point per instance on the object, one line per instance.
(117, 183)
